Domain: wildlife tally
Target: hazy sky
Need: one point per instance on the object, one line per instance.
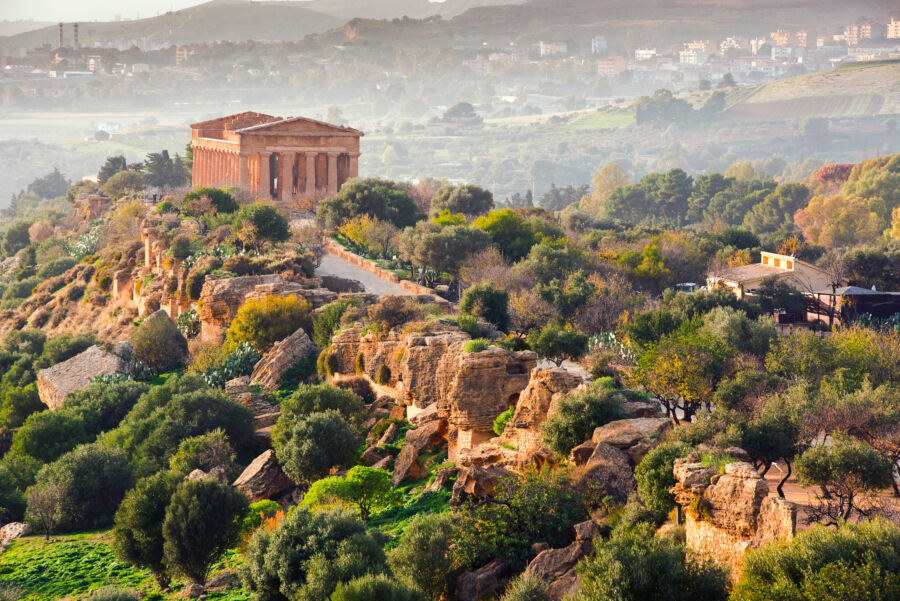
(87, 10)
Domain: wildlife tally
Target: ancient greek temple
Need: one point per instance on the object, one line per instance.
(295, 161)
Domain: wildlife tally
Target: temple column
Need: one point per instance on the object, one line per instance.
(354, 165)
(234, 168)
(195, 172)
(265, 178)
(286, 175)
(332, 173)
(244, 171)
(311, 161)
(217, 168)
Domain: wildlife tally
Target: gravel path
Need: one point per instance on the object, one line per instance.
(336, 266)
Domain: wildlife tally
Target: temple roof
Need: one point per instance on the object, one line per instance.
(307, 120)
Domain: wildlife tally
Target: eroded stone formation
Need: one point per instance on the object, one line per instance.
(727, 514)
(56, 382)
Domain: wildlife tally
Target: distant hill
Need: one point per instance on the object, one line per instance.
(14, 27)
(391, 9)
(232, 20)
(854, 90)
(630, 22)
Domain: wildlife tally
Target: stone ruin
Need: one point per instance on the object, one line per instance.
(726, 514)
(56, 382)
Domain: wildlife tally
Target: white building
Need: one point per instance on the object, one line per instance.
(553, 48)
(893, 29)
(644, 54)
(690, 56)
(599, 45)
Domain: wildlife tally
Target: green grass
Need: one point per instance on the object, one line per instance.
(73, 565)
(601, 119)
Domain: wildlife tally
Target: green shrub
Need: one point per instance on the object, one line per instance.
(468, 324)
(854, 561)
(258, 223)
(309, 447)
(395, 310)
(635, 565)
(503, 419)
(360, 364)
(292, 562)
(557, 343)
(138, 531)
(221, 200)
(476, 346)
(311, 398)
(204, 452)
(202, 521)
(158, 344)
(654, 475)
(359, 386)
(47, 435)
(102, 406)
(365, 488)
(239, 362)
(422, 557)
(256, 513)
(383, 374)
(180, 247)
(370, 587)
(327, 321)
(93, 481)
(489, 303)
(56, 267)
(526, 588)
(578, 414)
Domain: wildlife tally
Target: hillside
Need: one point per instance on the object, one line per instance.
(850, 91)
(20, 26)
(391, 9)
(622, 21)
(231, 20)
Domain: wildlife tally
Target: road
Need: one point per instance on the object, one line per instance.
(336, 266)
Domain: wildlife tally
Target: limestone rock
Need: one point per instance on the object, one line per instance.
(389, 435)
(736, 498)
(223, 581)
(777, 520)
(441, 479)
(476, 482)
(237, 387)
(427, 436)
(642, 409)
(487, 453)
(579, 455)
(12, 531)
(546, 385)
(556, 567)
(371, 456)
(636, 436)
(263, 478)
(384, 463)
(474, 586)
(608, 472)
(56, 382)
(408, 466)
(191, 591)
(284, 355)
(424, 416)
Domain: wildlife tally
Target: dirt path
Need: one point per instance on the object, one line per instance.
(336, 266)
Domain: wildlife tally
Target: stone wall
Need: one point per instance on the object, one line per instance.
(339, 250)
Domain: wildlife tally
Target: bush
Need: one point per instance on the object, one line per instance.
(360, 363)
(204, 452)
(466, 199)
(326, 363)
(103, 406)
(310, 446)
(392, 311)
(202, 521)
(93, 481)
(477, 345)
(370, 587)
(138, 530)
(488, 303)
(56, 267)
(503, 419)
(557, 343)
(422, 558)
(47, 435)
(258, 223)
(239, 362)
(578, 414)
(180, 247)
(385, 200)
(539, 506)
(65, 346)
(360, 387)
(311, 398)
(257, 513)
(158, 344)
(113, 593)
(17, 404)
(327, 320)
(365, 488)
(263, 322)
(288, 563)
(188, 323)
(526, 588)
(855, 561)
(221, 201)
(635, 565)
(123, 183)
(193, 283)
(383, 375)
(654, 475)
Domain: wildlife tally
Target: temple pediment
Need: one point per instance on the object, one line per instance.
(300, 126)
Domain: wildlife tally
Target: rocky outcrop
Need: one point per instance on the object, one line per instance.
(729, 513)
(477, 585)
(477, 483)
(284, 355)
(636, 437)
(546, 385)
(56, 382)
(608, 471)
(263, 479)
(556, 567)
(220, 299)
(12, 531)
(408, 466)
(427, 436)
